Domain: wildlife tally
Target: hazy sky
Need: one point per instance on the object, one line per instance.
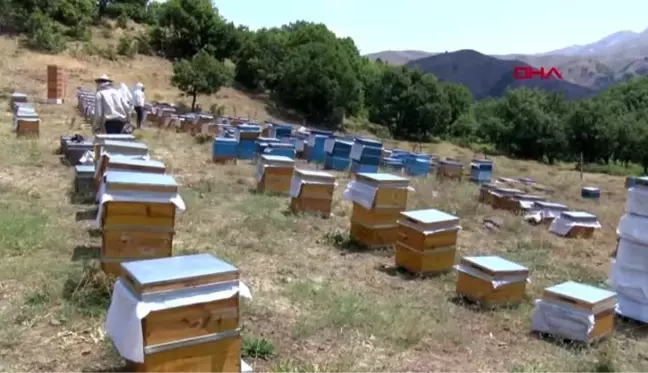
(491, 26)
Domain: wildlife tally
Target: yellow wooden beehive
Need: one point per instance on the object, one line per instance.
(491, 280)
(500, 198)
(28, 127)
(119, 147)
(484, 193)
(521, 203)
(274, 174)
(450, 169)
(198, 333)
(378, 198)
(426, 241)
(312, 191)
(569, 300)
(137, 217)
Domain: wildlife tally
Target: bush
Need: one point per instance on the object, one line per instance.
(127, 46)
(42, 34)
(122, 21)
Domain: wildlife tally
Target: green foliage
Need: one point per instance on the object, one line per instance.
(202, 74)
(127, 46)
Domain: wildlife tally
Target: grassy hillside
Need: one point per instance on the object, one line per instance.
(319, 303)
(399, 57)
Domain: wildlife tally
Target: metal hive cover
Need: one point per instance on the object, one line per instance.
(313, 173)
(176, 268)
(495, 263)
(125, 144)
(135, 161)
(429, 216)
(122, 177)
(580, 215)
(586, 293)
(380, 177)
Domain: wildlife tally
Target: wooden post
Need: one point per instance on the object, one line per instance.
(581, 165)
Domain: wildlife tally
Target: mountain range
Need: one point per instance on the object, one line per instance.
(586, 69)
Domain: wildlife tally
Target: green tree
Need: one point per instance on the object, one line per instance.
(202, 74)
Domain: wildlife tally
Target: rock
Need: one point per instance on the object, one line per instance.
(493, 224)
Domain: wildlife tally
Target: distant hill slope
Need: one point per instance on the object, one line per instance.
(487, 76)
(399, 57)
(596, 66)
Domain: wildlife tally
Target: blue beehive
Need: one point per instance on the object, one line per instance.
(367, 154)
(224, 148)
(337, 152)
(246, 135)
(590, 193)
(417, 165)
(481, 171)
(280, 131)
(393, 164)
(262, 144)
(281, 149)
(315, 146)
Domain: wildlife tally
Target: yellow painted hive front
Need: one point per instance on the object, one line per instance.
(423, 262)
(391, 191)
(374, 237)
(375, 216)
(200, 333)
(274, 174)
(491, 280)
(312, 191)
(28, 127)
(428, 229)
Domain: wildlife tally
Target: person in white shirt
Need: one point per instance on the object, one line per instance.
(138, 102)
(111, 108)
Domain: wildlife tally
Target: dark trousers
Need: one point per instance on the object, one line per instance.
(114, 126)
(140, 115)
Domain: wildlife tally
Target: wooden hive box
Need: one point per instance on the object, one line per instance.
(312, 191)
(374, 237)
(491, 280)
(199, 335)
(426, 241)
(450, 169)
(572, 296)
(520, 203)
(391, 190)
(484, 193)
(120, 147)
(580, 224)
(137, 217)
(83, 179)
(549, 210)
(110, 162)
(28, 127)
(274, 174)
(501, 197)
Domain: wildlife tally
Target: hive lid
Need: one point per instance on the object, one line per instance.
(585, 296)
(579, 216)
(494, 265)
(508, 191)
(550, 205)
(224, 139)
(276, 159)
(528, 197)
(147, 273)
(451, 163)
(114, 137)
(643, 181)
(121, 180)
(125, 144)
(488, 186)
(429, 219)
(314, 174)
(481, 161)
(382, 179)
(591, 189)
(131, 161)
(84, 169)
(369, 142)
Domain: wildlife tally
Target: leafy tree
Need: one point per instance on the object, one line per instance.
(202, 74)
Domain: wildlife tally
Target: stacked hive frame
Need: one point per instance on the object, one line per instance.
(274, 174)
(198, 332)
(426, 241)
(378, 199)
(55, 84)
(575, 224)
(110, 162)
(137, 217)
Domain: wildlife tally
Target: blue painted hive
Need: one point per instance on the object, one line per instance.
(247, 135)
(280, 149)
(262, 144)
(337, 153)
(366, 152)
(417, 165)
(481, 170)
(393, 164)
(315, 147)
(224, 148)
(280, 131)
(590, 193)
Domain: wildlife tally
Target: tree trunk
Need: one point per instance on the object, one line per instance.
(193, 101)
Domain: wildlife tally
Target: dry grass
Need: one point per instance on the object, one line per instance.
(320, 306)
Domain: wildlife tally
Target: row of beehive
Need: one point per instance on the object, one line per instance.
(538, 209)
(25, 121)
(137, 206)
(424, 241)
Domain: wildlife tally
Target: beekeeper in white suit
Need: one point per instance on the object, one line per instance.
(138, 102)
(111, 108)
